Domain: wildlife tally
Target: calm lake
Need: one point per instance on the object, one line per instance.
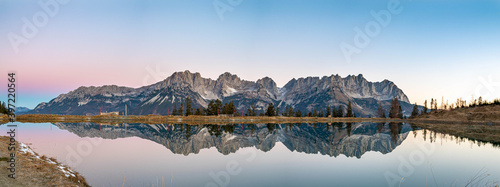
(336, 154)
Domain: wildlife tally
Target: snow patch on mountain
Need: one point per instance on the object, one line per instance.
(164, 99)
(152, 100)
(84, 102)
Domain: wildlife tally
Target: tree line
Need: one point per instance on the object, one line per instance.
(394, 112)
(215, 107)
(3, 108)
(460, 103)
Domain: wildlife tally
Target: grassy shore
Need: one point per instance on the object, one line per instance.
(194, 120)
(489, 115)
(3, 119)
(35, 170)
(479, 123)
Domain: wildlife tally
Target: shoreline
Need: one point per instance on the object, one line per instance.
(32, 169)
(197, 120)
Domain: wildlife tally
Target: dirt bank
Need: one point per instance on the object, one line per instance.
(32, 169)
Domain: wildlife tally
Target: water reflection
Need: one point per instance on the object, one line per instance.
(302, 154)
(333, 139)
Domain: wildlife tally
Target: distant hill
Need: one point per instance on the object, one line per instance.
(159, 98)
(21, 110)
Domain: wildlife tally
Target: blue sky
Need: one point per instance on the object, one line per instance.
(430, 49)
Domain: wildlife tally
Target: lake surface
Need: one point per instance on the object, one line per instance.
(336, 154)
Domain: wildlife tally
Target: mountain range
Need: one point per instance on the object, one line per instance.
(159, 98)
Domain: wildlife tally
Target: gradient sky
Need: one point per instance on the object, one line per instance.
(431, 49)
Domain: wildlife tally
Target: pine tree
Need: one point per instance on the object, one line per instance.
(174, 111)
(228, 108)
(415, 111)
(394, 112)
(270, 110)
(188, 106)
(381, 112)
(180, 111)
(340, 112)
(2, 110)
(400, 112)
(298, 113)
(291, 113)
(425, 107)
(315, 113)
(214, 107)
(328, 111)
(210, 108)
(198, 112)
(253, 109)
(349, 110)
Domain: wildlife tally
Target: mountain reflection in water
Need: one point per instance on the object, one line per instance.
(333, 139)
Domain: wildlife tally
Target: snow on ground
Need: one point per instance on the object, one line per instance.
(25, 149)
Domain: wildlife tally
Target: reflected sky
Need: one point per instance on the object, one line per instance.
(269, 155)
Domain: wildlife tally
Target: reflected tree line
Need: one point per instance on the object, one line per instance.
(434, 136)
(327, 129)
(395, 129)
(331, 128)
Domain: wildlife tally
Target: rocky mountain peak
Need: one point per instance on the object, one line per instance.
(229, 79)
(267, 82)
(228, 76)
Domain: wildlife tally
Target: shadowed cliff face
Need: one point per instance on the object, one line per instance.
(350, 139)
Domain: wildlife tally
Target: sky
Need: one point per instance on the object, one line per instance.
(428, 48)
